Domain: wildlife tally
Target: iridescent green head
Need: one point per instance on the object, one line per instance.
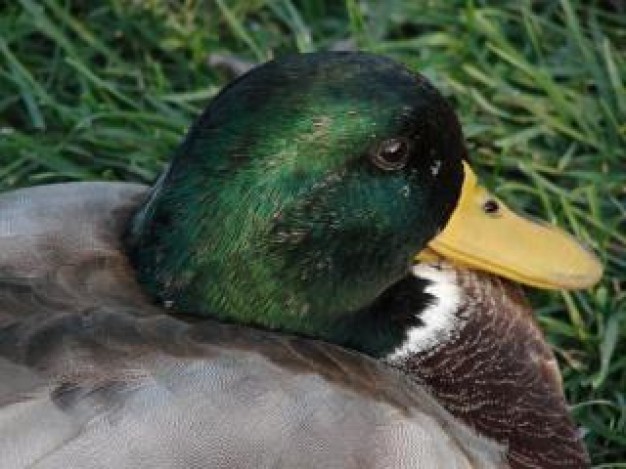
(302, 193)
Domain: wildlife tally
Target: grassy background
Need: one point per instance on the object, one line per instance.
(105, 89)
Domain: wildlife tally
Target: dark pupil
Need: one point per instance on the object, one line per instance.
(393, 151)
(491, 206)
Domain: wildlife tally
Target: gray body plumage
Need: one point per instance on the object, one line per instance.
(94, 375)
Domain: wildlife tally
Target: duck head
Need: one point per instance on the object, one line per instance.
(306, 190)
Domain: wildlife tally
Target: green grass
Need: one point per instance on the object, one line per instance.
(104, 90)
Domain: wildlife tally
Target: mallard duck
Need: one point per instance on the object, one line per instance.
(306, 285)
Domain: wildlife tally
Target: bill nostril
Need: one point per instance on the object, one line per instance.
(491, 207)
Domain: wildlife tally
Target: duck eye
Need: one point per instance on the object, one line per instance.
(491, 207)
(392, 154)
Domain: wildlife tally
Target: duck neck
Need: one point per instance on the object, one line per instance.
(249, 282)
(486, 361)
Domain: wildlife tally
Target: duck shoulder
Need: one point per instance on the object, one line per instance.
(94, 374)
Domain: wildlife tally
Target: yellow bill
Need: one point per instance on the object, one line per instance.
(484, 234)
